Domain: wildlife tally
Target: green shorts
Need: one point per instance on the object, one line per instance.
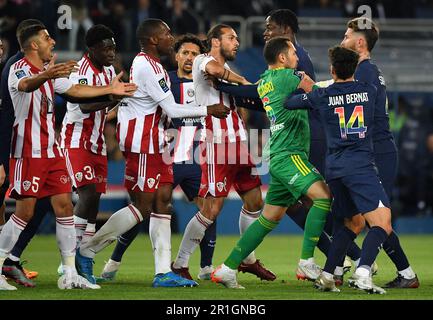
(291, 177)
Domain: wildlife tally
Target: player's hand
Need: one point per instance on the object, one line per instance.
(2, 175)
(306, 83)
(213, 81)
(218, 110)
(60, 70)
(123, 89)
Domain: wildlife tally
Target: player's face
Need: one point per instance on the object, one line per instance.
(291, 60)
(272, 30)
(1, 49)
(165, 40)
(350, 40)
(186, 55)
(104, 52)
(45, 45)
(229, 42)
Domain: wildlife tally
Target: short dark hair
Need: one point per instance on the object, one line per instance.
(216, 32)
(344, 61)
(24, 25)
(189, 38)
(97, 33)
(26, 31)
(274, 47)
(148, 28)
(368, 28)
(286, 18)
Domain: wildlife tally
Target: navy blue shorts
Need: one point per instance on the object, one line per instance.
(318, 155)
(188, 176)
(358, 193)
(387, 164)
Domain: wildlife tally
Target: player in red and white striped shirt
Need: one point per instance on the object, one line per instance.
(140, 133)
(226, 160)
(83, 133)
(37, 164)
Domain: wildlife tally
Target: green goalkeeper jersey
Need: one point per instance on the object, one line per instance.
(290, 130)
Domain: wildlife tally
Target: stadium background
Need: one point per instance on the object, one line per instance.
(404, 53)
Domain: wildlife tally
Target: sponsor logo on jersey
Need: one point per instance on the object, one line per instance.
(79, 176)
(20, 74)
(26, 185)
(163, 85)
(83, 81)
(64, 179)
(277, 127)
(129, 178)
(189, 101)
(150, 182)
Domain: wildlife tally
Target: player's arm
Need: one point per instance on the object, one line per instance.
(175, 110)
(53, 71)
(92, 107)
(115, 88)
(112, 114)
(241, 91)
(216, 70)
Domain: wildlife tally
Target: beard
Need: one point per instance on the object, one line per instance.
(227, 55)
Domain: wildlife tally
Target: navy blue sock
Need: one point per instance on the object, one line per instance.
(354, 252)
(42, 207)
(338, 248)
(371, 246)
(395, 252)
(124, 241)
(207, 246)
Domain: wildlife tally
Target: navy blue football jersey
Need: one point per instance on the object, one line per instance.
(369, 73)
(347, 113)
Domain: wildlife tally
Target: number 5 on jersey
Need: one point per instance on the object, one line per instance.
(349, 128)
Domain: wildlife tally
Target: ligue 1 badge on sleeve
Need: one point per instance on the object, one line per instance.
(83, 81)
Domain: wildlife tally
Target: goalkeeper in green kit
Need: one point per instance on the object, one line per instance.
(292, 176)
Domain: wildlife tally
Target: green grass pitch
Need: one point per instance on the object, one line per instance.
(279, 253)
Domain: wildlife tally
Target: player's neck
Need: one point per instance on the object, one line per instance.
(351, 79)
(217, 55)
(276, 66)
(151, 51)
(363, 56)
(95, 63)
(182, 74)
(35, 60)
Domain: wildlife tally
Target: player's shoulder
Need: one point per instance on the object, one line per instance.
(147, 63)
(20, 68)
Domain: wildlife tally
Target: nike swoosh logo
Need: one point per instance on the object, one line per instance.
(188, 102)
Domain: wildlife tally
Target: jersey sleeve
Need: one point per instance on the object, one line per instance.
(305, 101)
(203, 61)
(153, 83)
(291, 80)
(78, 78)
(16, 75)
(61, 85)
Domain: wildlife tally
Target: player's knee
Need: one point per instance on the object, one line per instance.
(63, 209)
(356, 224)
(144, 208)
(254, 205)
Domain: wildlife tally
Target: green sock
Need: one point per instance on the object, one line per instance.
(249, 241)
(314, 226)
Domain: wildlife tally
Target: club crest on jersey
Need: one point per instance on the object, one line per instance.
(222, 185)
(26, 185)
(79, 176)
(163, 85)
(83, 81)
(190, 92)
(64, 179)
(150, 182)
(20, 74)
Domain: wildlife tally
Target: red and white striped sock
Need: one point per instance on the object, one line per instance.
(194, 233)
(247, 218)
(88, 233)
(160, 236)
(66, 240)
(9, 236)
(80, 227)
